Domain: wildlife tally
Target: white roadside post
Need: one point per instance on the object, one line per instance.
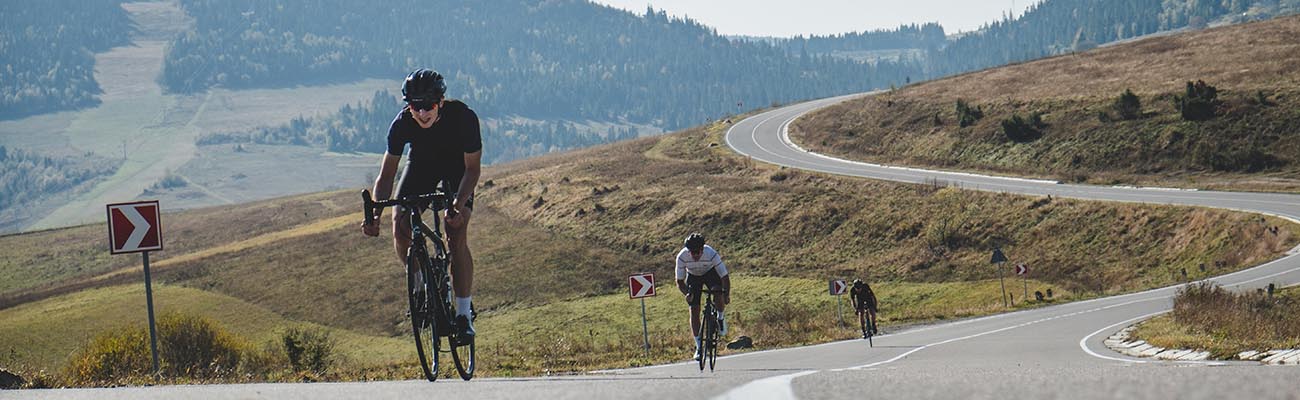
(640, 286)
(136, 228)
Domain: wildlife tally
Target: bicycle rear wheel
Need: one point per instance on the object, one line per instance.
(423, 318)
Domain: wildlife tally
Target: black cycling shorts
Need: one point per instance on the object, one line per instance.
(695, 283)
(867, 305)
(419, 181)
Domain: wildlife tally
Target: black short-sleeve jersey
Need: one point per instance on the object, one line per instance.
(440, 149)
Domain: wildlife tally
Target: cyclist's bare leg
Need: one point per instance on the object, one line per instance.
(401, 234)
(695, 321)
(462, 262)
(873, 320)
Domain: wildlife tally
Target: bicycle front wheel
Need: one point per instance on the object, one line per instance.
(711, 345)
(423, 320)
(462, 349)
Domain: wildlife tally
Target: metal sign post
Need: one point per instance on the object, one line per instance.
(1023, 271)
(837, 287)
(998, 260)
(640, 286)
(148, 299)
(645, 329)
(136, 228)
(839, 301)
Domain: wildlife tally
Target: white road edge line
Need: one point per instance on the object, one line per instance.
(776, 387)
(1083, 343)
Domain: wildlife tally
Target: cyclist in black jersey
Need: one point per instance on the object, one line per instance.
(446, 150)
(864, 302)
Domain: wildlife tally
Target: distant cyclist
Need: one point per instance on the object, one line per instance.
(699, 265)
(446, 149)
(864, 301)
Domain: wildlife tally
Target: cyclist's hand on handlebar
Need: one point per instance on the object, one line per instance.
(371, 228)
(458, 215)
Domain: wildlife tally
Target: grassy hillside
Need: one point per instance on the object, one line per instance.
(1252, 143)
(556, 236)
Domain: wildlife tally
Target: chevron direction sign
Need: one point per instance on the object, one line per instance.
(641, 285)
(134, 227)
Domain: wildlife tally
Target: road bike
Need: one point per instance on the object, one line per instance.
(429, 284)
(709, 330)
(867, 325)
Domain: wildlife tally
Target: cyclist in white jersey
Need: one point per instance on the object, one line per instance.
(698, 265)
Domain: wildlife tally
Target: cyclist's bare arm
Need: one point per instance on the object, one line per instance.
(383, 190)
(384, 182)
(726, 286)
(469, 181)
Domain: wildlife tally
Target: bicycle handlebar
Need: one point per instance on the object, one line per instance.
(437, 201)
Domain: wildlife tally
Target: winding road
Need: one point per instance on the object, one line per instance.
(1044, 353)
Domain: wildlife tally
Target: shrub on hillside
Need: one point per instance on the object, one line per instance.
(1220, 156)
(1249, 317)
(111, 356)
(308, 350)
(196, 347)
(1199, 103)
(966, 115)
(188, 347)
(1128, 105)
(1022, 130)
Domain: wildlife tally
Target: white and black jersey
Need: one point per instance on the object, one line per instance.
(709, 259)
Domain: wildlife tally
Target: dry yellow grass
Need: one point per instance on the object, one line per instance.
(917, 125)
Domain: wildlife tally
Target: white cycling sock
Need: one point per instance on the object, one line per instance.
(720, 315)
(462, 306)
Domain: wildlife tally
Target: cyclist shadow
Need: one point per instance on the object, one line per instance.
(618, 377)
(772, 369)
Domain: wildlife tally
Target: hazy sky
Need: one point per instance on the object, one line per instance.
(793, 17)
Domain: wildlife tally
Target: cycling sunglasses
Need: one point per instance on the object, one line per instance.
(422, 105)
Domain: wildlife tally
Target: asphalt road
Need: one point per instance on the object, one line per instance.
(1050, 352)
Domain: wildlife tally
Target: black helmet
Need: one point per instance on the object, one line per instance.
(423, 85)
(695, 242)
(857, 282)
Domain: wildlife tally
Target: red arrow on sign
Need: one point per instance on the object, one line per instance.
(134, 227)
(838, 287)
(641, 285)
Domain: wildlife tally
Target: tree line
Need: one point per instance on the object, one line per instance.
(48, 47)
(364, 127)
(26, 177)
(1059, 26)
(537, 60)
